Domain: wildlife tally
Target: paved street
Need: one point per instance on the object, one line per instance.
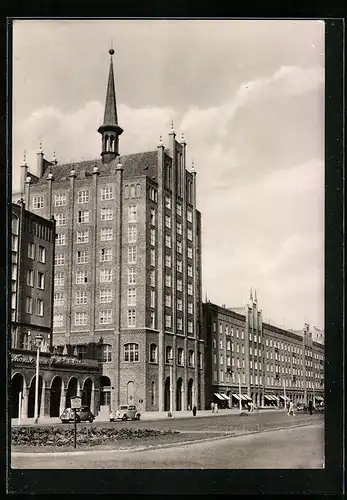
(300, 447)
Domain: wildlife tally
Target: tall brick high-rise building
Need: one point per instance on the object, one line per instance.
(127, 266)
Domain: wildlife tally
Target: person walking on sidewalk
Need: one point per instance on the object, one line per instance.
(291, 408)
(212, 407)
(216, 407)
(310, 407)
(194, 411)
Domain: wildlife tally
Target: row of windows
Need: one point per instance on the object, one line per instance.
(40, 279)
(132, 191)
(39, 252)
(227, 331)
(105, 276)
(168, 257)
(81, 318)
(29, 306)
(83, 216)
(83, 196)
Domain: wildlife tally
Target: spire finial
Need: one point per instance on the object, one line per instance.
(255, 296)
(193, 166)
(250, 295)
(55, 161)
(24, 158)
(160, 141)
(40, 146)
(172, 131)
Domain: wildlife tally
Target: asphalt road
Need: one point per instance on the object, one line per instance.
(293, 448)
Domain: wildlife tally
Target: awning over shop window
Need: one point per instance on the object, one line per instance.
(246, 397)
(225, 396)
(269, 397)
(273, 397)
(319, 398)
(282, 397)
(237, 396)
(219, 396)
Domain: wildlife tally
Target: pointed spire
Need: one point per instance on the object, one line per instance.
(160, 143)
(255, 296)
(172, 131)
(193, 167)
(250, 295)
(110, 129)
(24, 164)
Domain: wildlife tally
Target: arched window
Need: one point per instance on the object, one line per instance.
(131, 352)
(168, 353)
(138, 190)
(180, 356)
(191, 358)
(106, 353)
(153, 353)
(126, 191)
(132, 191)
(153, 393)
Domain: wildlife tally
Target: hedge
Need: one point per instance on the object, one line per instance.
(55, 436)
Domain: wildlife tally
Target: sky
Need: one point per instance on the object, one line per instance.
(248, 97)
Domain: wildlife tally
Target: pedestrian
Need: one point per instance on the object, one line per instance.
(212, 407)
(310, 407)
(291, 408)
(194, 411)
(216, 407)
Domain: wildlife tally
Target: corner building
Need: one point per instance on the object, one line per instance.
(127, 266)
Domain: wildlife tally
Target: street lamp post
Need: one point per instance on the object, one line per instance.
(284, 394)
(171, 385)
(240, 397)
(38, 340)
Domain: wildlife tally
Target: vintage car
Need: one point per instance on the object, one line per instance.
(125, 412)
(83, 414)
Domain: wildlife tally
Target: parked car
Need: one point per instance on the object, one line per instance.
(125, 412)
(83, 414)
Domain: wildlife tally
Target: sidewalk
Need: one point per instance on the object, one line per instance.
(152, 415)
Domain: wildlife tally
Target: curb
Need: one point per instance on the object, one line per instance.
(152, 447)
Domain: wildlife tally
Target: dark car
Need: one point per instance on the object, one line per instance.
(83, 414)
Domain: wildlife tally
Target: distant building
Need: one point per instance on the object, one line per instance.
(127, 266)
(60, 375)
(266, 362)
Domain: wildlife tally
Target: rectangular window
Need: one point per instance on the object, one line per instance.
(58, 299)
(105, 317)
(228, 345)
(83, 196)
(60, 219)
(132, 297)
(168, 202)
(132, 233)
(131, 317)
(132, 254)
(179, 209)
(82, 237)
(189, 216)
(152, 216)
(31, 250)
(81, 278)
(190, 289)
(242, 334)
(168, 240)
(107, 193)
(179, 304)
(105, 254)
(106, 234)
(81, 297)
(179, 285)
(60, 239)
(167, 320)
(59, 259)
(39, 307)
(106, 214)
(42, 254)
(105, 275)
(179, 266)
(40, 280)
(105, 296)
(168, 221)
(82, 256)
(152, 319)
(168, 260)
(153, 236)
(38, 201)
(132, 213)
(189, 252)
(190, 326)
(190, 271)
(30, 277)
(168, 300)
(179, 228)
(179, 246)
(80, 318)
(60, 199)
(59, 279)
(83, 216)
(132, 276)
(179, 324)
(152, 257)
(29, 305)
(58, 320)
(167, 280)
(190, 307)
(152, 298)
(189, 234)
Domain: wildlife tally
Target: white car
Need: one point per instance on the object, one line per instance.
(125, 412)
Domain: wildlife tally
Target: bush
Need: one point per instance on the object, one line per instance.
(57, 436)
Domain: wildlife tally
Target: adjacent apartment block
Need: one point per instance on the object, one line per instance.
(127, 266)
(260, 361)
